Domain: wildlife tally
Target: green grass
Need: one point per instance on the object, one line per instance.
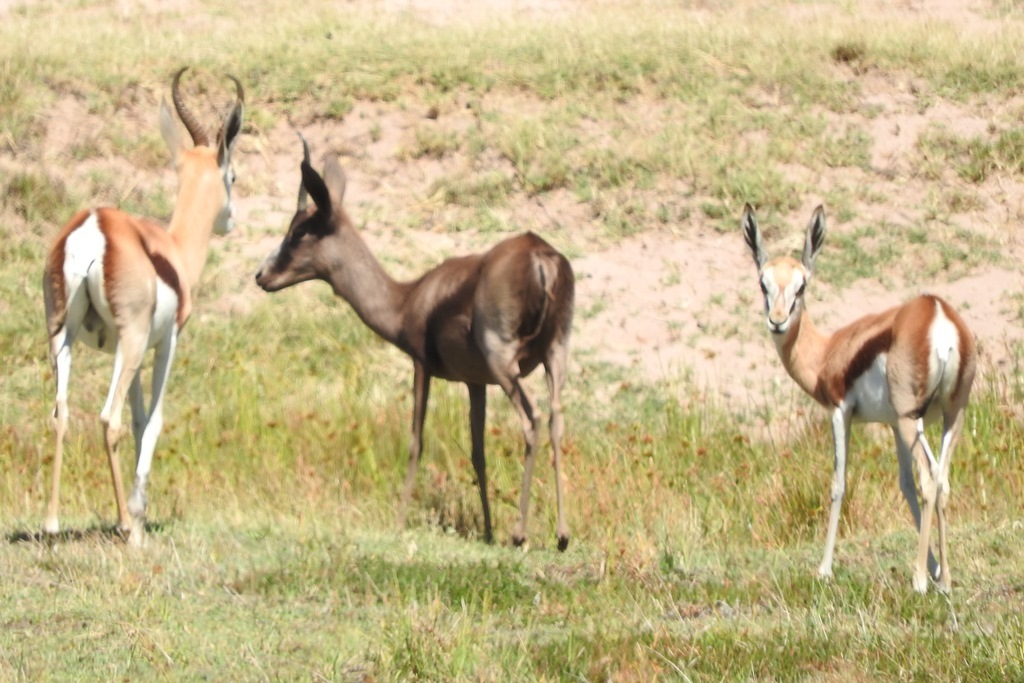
(274, 554)
(976, 159)
(696, 527)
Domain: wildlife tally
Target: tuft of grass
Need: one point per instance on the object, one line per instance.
(490, 189)
(37, 198)
(432, 142)
(851, 52)
(539, 154)
(976, 159)
(147, 152)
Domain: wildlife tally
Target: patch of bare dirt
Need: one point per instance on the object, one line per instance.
(682, 301)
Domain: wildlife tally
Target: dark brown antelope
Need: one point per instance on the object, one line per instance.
(483, 319)
(123, 284)
(903, 367)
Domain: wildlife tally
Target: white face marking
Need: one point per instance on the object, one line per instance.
(782, 286)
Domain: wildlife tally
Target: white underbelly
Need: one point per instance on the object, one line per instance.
(869, 395)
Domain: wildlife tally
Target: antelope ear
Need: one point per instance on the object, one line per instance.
(334, 178)
(170, 131)
(317, 190)
(229, 135)
(753, 236)
(815, 237)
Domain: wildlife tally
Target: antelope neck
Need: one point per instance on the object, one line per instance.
(200, 200)
(802, 351)
(356, 275)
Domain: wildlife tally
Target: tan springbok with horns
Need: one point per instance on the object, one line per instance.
(123, 284)
(903, 367)
(484, 319)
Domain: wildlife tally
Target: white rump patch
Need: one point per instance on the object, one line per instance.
(944, 336)
(88, 317)
(85, 245)
(945, 343)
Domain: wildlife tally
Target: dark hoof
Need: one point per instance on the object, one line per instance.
(563, 543)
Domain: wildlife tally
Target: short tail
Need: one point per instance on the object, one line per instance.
(940, 381)
(546, 273)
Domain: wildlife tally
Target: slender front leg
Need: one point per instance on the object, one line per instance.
(146, 437)
(841, 444)
(420, 394)
(60, 351)
(477, 420)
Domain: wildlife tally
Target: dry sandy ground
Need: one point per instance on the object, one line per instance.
(682, 301)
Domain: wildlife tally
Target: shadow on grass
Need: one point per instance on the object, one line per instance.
(93, 533)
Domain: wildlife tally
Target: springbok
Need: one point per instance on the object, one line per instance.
(123, 284)
(903, 367)
(482, 319)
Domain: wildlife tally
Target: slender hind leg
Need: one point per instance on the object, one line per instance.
(909, 432)
(152, 425)
(555, 373)
(909, 489)
(951, 429)
(60, 351)
(138, 408)
(527, 416)
(127, 360)
(502, 358)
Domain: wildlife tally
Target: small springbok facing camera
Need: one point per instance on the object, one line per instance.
(483, 319)
(122, 284)
(903, 367)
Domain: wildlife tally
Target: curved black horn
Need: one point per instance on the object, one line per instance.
(303, 195)
(199, 136)
(239, 93)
